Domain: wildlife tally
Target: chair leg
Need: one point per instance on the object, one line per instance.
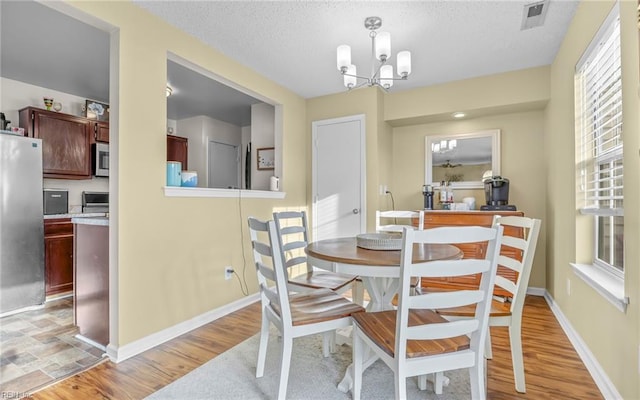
(477, 380)
(328, 343)
(285, 364)
(438, 382)
(262, 350)
(488, 352)
(357, 292)
(422, 382)
(357, 363)
(515, 339)
(401, 385)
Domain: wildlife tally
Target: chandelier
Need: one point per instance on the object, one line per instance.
(381, 50)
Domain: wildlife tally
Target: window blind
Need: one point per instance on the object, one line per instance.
(599, 125)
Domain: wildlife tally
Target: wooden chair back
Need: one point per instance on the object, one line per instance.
(475, 327)
(274, 298)
(291, 230)
(525, 250)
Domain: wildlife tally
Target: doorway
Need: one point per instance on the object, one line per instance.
(223, 165)
(338, 177)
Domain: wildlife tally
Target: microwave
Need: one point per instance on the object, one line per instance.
(100, 159)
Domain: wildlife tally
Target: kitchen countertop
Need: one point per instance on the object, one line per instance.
(75, 215)
(102, 220)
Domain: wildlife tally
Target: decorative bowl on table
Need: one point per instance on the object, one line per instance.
(379, 241)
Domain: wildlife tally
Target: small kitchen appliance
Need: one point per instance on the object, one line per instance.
(100, 159)
(496, 191)
(95, 202)
(56, 201)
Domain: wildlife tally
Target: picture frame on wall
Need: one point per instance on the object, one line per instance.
(96, 110)
(266, 158)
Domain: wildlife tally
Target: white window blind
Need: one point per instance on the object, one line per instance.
(599, 125)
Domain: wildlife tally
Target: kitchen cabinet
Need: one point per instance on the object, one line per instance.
(58, 255)
(66, 142)
(177, 149)
(433, 219)
(100, 131)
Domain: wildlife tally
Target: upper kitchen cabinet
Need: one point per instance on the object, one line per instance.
(100, 131)
(177, 148)
(66, 142)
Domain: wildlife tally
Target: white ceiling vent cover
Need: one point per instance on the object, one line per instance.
(533, 14)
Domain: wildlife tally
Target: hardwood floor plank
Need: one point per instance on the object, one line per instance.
(553, 368)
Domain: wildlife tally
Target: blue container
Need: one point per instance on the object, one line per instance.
(173, 173)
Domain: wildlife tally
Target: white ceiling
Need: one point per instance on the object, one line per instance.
(290, 42)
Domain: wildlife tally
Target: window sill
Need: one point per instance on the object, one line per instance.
(607, 285)
(177, 191)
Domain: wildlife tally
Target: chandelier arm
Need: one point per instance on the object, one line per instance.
(357, 76)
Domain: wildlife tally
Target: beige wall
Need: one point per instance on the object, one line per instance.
(612, 336)
(521, 137)
(172, 251)
(362, 101)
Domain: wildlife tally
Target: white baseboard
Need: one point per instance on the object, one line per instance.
(119, 354)
(536, 291)
(607, 388)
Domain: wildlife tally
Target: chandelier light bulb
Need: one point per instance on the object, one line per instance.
(404, 63)
(386, 76)
(383, 46)
(350, 81)
(344, 57)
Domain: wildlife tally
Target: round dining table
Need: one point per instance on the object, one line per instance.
(378, 269)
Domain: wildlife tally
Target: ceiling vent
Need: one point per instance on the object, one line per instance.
(533, 14)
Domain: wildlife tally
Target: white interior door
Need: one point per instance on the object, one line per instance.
(223, 165)
(338, 174)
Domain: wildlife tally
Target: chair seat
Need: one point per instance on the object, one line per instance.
(319, 305)
(322, 280)
(380, 327)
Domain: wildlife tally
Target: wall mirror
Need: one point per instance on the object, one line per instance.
(462, 159)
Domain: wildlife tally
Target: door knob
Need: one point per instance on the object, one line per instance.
(356, 211)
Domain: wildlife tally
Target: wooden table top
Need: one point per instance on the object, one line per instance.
(344, 250)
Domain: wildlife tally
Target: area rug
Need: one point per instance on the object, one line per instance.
(231, 375)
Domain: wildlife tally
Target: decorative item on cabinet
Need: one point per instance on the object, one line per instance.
(433, 219)
(177, 150)
(96, 110)
(58, 255)
(66, 142)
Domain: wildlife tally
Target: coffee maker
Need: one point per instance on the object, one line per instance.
(496, 192)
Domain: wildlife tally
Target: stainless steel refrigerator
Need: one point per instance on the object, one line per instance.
(21, 223)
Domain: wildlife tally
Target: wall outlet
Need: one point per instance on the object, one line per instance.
(228, 272)
(568, 287)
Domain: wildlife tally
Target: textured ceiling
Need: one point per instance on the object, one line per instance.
(294, 42)
(290, 42)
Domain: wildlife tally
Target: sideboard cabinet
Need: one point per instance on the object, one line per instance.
(433, 219)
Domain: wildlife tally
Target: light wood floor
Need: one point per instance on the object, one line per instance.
(552, 367)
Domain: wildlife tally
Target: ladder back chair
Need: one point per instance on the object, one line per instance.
(414, 340)
(292, 236)
(509, 313)
(293, 314)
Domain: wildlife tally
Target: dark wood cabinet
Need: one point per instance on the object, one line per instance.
(177, 149)
(433, 219)
(100, 131)
(58, 255)
(66, 142)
